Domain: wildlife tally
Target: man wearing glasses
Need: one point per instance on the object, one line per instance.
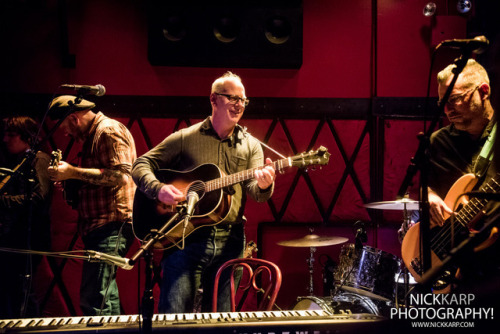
(455, 149)
(462, 147)
(217, 140)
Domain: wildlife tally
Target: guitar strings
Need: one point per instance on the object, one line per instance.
(442, 239)
(227, 180)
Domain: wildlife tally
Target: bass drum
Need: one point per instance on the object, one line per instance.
(367, 271)
(313, 303)
(342, 303)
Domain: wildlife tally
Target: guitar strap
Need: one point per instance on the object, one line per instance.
(486, 154)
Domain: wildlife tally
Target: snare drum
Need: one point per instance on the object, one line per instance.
(367, 271)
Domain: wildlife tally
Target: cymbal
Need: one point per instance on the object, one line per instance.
(400, 204)
(313, 240)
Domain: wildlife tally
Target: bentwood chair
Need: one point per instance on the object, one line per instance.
(258, 276)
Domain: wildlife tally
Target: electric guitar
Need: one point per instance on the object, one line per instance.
(70, 186)
(455, 229)
(209, 182)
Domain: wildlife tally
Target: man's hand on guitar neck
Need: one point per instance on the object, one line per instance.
(170, 195)
(437, 209)
(61, 172)
(105, 177)
(265, 176)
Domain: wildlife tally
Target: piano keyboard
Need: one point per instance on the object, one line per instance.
(225, 322)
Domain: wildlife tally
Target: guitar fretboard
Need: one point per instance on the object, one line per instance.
(244, 175)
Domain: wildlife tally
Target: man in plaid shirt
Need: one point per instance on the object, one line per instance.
(105, 197)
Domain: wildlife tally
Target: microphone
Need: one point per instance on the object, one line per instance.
(97, 90)
(121, 262)
(477, 45)
(483, 195)
(192, 199)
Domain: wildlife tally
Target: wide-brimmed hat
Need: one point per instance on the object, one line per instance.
(60, 106)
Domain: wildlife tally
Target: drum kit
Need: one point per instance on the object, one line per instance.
(366, 279)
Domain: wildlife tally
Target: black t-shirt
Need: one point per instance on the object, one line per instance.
(453, 153)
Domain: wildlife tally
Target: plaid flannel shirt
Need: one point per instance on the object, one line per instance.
(109, 145)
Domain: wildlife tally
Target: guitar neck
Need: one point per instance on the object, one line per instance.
(475, 205)
(243, 175)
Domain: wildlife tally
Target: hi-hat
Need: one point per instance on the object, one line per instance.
(313, 240)
(400, 204)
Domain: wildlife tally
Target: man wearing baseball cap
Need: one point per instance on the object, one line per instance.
(105, 196)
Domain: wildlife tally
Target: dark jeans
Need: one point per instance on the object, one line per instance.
(194, 267)
(99, 288)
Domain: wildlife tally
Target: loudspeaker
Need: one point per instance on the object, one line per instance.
(244, 33)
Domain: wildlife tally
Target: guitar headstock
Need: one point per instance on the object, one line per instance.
(250, 248)
(55, 158)
(316, 157)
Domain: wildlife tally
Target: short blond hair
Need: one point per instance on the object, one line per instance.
(219, 83)
(473, 74)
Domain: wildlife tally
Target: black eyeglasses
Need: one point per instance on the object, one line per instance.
(457, 99)
(235, 99)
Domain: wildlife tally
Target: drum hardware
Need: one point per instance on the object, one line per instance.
(405, 279)
(329, 268)
(407, 205)
(312, 241)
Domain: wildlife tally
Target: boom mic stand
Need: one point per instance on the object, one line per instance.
(466, 247)
(147, 297)
(421, 162)
(30, 177)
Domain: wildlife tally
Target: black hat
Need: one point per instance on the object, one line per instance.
(60, 106)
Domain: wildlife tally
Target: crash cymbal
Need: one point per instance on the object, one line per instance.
(400, 204)
(313, 240)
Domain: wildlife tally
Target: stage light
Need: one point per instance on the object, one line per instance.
(464, 6)
(430, 9)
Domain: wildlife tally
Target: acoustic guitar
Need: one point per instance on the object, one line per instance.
(209, 182)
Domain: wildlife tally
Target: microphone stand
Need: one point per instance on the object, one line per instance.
(465, 247)
(147, 297)
(421, 162)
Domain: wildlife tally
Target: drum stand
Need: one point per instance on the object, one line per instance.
(312, 241)
(406, 273)
(310, 262)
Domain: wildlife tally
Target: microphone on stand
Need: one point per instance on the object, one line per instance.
(97, 90)
(119, 261)
(192, 200)
(477, 44)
